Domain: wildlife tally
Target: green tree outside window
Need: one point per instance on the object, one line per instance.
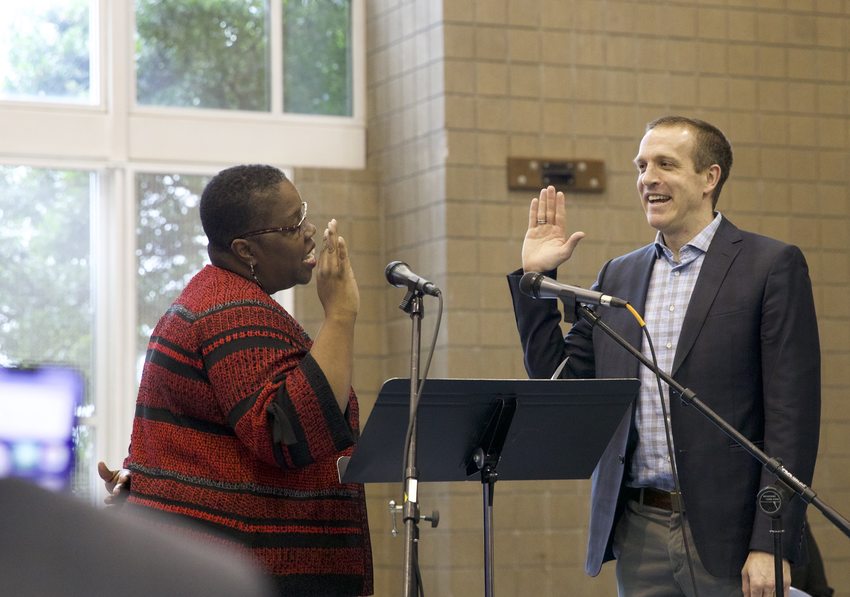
(171, 245)
(203, 54)
(317, 57)
(45, 282)
(44, 51)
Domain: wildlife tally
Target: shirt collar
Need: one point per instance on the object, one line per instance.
(700, 242)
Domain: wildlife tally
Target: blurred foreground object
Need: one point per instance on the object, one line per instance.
(55, 545)
(38, 413)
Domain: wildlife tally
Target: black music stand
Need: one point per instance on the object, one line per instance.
(512, 429)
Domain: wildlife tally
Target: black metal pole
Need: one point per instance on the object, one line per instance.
(488, 487)
(772, 500)
(776, 529)
(410, 509)
(486, 458)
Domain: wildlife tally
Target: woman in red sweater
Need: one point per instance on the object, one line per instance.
(241, 416)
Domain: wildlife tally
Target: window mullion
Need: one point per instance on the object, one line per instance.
(118, 71)
(276, 58)
(358, 61)
(115, 314)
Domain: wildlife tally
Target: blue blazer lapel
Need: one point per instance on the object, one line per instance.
(638, 278)
(629, 280)
(721, 253)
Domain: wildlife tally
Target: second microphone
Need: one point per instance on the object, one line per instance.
(399, 274)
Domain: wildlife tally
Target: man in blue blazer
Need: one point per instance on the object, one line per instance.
(732, 318)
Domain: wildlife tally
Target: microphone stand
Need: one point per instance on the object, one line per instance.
(772, 500)
(785, 480)
(412, 304)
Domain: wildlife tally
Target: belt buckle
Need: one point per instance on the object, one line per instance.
(676, 502)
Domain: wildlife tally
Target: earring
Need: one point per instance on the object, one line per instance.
(254, 276)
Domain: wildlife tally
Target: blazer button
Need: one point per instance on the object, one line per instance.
(622, 459)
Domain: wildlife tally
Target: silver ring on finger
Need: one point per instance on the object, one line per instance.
(541, 221)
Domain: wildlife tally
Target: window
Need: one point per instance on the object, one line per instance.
(317, 56)
(203, 54)
(46, 51)
(170, 245)
(46, 278)
(115, 114)
(46, 303)
(204, 81)
(217, 54)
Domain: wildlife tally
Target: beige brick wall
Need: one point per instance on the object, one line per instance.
(456, 87)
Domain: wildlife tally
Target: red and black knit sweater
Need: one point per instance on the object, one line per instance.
(237, 428)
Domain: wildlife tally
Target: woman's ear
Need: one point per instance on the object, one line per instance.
(242, 249)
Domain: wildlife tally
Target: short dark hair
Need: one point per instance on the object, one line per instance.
(234, 201)
(712, 146)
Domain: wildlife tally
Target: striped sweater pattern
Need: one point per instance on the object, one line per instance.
(237, 429)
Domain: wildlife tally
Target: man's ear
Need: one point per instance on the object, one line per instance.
(242, 249)
(712, 178)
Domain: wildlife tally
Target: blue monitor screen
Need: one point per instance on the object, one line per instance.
(37, 418)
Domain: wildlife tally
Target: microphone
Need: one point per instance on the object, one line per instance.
(398, 274)
(539, 286)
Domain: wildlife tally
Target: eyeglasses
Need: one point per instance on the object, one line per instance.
(284, 229)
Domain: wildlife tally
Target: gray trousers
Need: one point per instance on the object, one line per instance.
(651, 559)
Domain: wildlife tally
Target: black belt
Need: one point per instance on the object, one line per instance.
(649, 496)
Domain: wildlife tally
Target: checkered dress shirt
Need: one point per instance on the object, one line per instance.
(670, 289)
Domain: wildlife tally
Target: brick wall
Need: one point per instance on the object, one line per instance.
(455, 88)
